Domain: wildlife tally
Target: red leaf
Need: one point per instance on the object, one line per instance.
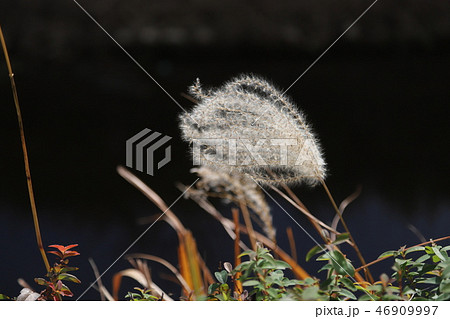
(58, 285)
(70, 247)
(71, 253)
(63, 248)
(59, 247)
(57, 253)
(65, 291)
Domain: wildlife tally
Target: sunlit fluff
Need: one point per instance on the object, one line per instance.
(249, 126)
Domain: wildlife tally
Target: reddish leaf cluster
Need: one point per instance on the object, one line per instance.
(54, 287)
(63, 251)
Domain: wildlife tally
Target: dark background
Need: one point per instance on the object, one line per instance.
(378, 101)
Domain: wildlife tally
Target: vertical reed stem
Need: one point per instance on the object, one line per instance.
(25, 154)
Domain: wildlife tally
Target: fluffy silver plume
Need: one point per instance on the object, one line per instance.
(250, 127)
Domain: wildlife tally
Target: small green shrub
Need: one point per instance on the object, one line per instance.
(426, 278)
(141, 295)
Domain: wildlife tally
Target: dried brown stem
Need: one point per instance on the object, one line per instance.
(291, 239)
(25, 155)
(248, 224)
(304, 210)
(355, 246)
(311, 218)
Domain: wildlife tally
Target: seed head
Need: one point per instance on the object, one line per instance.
(249, 126)
(235, 187)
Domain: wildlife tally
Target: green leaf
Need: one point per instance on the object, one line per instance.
(368, 297)
(311, 293)
(279, 264)
(388, 253)
(323, 257)
(392, 298)
(274, 293)
(347, 293)
(436, 258)
(41, 281)
(341, 265)
(444, 287)
(431, 280)
(326, 267)
(375, 288)
(443, 297)
(423, 258)
(439, 253)
(251, 282)
(408, 291)
(4, 297)
(400, 261)
(414, 249)
(68, 277)
(221, 276)
(413, 274)
(348, 283)
(246, 253)
(446, 272)
(213, 287)
(313, 251)
(326, 283)
(68, 269)
(243, 266)
(341, 238)
(309, 281)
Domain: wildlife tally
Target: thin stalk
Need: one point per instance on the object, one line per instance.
(311, 219)
(25, 155)
(305, 212)
(291, 239)
(347, 230)
(237, 251)
(248, 224)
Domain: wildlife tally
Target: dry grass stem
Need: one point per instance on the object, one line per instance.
(292, 245)
(304, 211)
(355, 246)
(168, 265)
(98, 279)
(25, 155)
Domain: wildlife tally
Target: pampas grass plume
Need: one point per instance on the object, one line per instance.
(262, 134)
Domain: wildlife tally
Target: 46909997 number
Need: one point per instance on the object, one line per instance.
(407, 310)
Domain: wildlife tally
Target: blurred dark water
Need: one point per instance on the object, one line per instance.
(381, 115)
